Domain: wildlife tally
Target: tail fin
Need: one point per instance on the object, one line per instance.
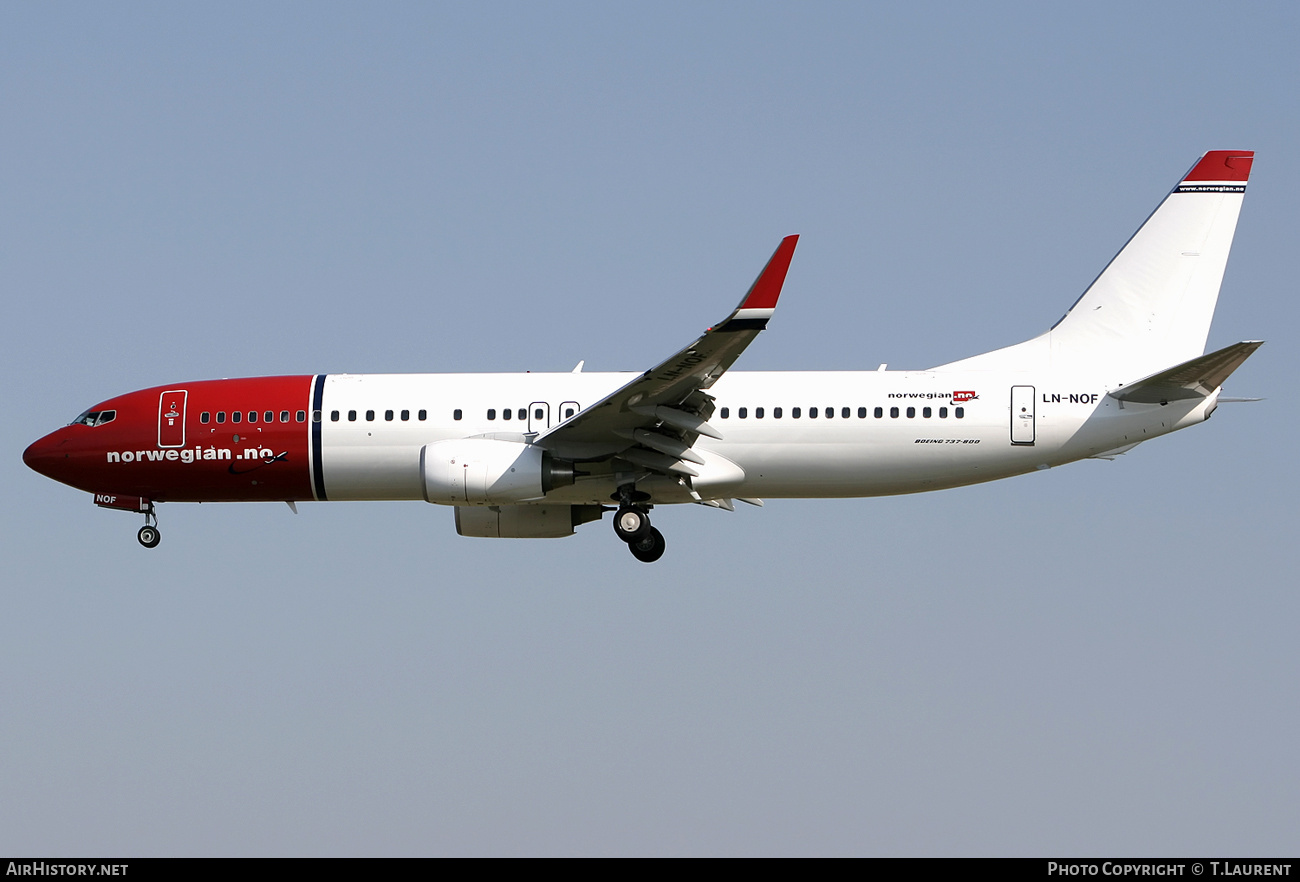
(1152, 305)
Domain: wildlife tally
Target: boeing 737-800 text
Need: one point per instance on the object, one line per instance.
(535, 455)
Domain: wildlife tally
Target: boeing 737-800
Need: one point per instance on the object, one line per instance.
(536, 455)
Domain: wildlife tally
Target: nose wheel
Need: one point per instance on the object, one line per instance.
(148, 535)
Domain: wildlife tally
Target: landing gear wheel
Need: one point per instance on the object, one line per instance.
(631, 524)
(649, 548)
(149, 536)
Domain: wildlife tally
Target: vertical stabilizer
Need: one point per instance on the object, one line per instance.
(1152, 305)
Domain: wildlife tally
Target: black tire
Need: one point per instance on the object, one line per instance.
(649, 548)
(631, 524)
(149, 536)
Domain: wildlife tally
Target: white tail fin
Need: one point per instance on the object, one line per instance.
(1152, 305)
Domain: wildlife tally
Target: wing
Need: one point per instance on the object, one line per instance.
(652, 421)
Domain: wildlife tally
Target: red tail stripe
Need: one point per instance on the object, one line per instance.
(1223, 165)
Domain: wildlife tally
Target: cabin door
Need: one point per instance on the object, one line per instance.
(171, 418)
(1022, 415)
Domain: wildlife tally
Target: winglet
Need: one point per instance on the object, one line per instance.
(767, 287)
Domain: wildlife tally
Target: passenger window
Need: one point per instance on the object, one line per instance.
(794, 413)
(925, 412)
(844, 412)
(523, 413)
(492, 413)
(300, 416)
(284, 416)
(726, 412)
(830, 412)
(334, 416)
(424, 415)
(776, 413)
(352, 416)
(943, 413)
(743, 412)
(812, 413)
(758, 413)
(268, 417)
(370, 416)
(236, 416)
(406, 415)
(455, 414)
(862, 413)
(505, 414)
(879, 412)
(315, 416)
(388, 415)
(893, 413)
(252, 416)
(204, 417)
(221, 416)
(911, 413)
(959, 413)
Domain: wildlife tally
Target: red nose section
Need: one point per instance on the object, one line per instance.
(47, 457)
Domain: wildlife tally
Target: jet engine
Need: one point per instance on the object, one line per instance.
(485, 471)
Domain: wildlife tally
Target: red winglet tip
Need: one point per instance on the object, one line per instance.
(767, 287)
(1223, 165)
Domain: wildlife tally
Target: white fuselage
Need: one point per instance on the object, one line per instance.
(959, 431)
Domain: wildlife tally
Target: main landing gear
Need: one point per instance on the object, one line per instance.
(149, 536)
(632, 525)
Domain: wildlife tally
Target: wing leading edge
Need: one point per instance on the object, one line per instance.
(652, 421)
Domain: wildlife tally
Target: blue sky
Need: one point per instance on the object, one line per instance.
(1095, 660)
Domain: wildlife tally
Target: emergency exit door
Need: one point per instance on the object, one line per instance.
(539, 416)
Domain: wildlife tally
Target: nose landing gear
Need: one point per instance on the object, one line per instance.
(148, 535)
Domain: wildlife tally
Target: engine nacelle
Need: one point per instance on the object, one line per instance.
(482, 471)
(541, 521)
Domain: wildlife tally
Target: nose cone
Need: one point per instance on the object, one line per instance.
(47, 456)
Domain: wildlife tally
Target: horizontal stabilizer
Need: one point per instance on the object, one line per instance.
(1197, 378)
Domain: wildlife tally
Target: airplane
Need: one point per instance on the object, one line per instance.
(536, 455)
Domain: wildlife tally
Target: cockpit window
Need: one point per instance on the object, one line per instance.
(95, 418)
